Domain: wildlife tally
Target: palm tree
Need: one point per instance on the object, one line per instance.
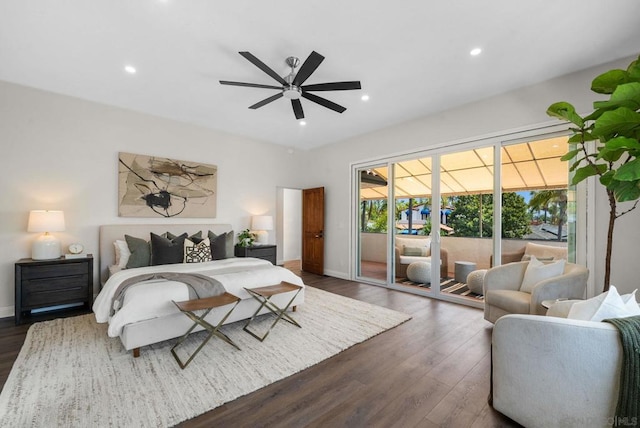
(545, 198)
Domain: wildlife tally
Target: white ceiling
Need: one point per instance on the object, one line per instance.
(412, 57)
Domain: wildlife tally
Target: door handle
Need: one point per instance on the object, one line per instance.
(318, 235)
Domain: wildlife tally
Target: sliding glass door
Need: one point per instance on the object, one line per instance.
(372, 241)
(451, 212)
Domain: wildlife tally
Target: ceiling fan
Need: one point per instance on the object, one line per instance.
(292, 84)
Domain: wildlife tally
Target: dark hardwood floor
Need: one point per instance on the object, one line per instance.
(432, 371)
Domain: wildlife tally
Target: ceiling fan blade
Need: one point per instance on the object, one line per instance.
(333, 86)
(307, 68)
(324, 102)
(251, 85)
(266, 101)
(262, 66)
(297, 109)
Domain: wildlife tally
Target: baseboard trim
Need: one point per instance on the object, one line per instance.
(336, 274)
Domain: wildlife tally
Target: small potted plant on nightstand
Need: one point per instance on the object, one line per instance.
(246, 238)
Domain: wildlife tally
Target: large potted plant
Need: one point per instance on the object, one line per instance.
(607, 143)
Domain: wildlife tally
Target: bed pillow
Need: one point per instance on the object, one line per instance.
(140, 252)
(538, 271)
(218, 245)
(165, 251)
(196, 237)
(122, 253)
(197, 252)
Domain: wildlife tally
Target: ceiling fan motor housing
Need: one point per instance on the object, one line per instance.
(292, 92)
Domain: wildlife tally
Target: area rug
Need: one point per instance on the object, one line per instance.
(448, 285)
(70, 373)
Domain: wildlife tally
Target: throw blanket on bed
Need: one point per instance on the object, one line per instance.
(200, 286)
(628, 407)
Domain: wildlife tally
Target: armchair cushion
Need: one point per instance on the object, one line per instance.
(538, 271)
(515, 302)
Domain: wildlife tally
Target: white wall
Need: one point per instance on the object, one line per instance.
(62, 153)
(518, 109)
(292, 225)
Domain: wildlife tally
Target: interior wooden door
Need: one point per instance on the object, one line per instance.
(313, 230)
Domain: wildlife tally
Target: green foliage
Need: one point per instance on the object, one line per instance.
(246, 238)
(614, 126)
(465, 218)
(515, 216)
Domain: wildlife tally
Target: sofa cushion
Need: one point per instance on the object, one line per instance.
(516, 302)
(545, 251)
(538, 271)
(415, 251)
(413, 243)
(604, 306)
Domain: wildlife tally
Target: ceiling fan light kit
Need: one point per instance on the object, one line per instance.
(292, 86)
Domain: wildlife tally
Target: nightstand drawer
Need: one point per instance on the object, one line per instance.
(261, 252)
(68, 269)
(265, 252)
(52, 291)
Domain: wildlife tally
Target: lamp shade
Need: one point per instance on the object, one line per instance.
(45, 221)
(262, 222)
(46, 246)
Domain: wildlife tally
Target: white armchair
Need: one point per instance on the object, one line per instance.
(502, 294)
(554, 372)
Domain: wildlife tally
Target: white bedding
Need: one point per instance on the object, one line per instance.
(152, 299)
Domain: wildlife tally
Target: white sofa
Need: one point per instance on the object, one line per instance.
(555, 372)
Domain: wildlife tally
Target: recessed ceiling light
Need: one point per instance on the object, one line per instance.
(303, 123)
(130, 69)
(475, 51)
(365, 98)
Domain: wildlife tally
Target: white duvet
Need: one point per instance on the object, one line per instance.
(152, 299)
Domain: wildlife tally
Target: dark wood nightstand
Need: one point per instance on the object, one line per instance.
(48, 283)
(265, 252)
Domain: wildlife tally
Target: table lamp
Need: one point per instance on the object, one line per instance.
(46, 246)
(259, 225)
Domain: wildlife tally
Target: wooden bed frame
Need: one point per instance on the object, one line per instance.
(156, 330)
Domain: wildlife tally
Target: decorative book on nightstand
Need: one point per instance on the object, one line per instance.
(265, 252)
(49, 284)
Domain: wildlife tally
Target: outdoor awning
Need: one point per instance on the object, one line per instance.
(527, 166)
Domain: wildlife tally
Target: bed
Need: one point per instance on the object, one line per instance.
(147, 314)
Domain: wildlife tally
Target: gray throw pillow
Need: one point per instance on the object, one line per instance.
(140, 252)
(196, 238)
(166, 251)
(218, 245)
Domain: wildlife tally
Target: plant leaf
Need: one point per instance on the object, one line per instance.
(607, 178)
(570, 155)
(565, 111)
(630, 171)
(627, 95)
(621, 121)
(634, 70)
(580, 137)
(607, 82)
(613, 149)
(588, 171)
(626, 190)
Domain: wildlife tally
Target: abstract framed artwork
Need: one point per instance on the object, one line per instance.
(151, 186)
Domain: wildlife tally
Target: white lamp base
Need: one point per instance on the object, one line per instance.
(262, 237)
(46, 247)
